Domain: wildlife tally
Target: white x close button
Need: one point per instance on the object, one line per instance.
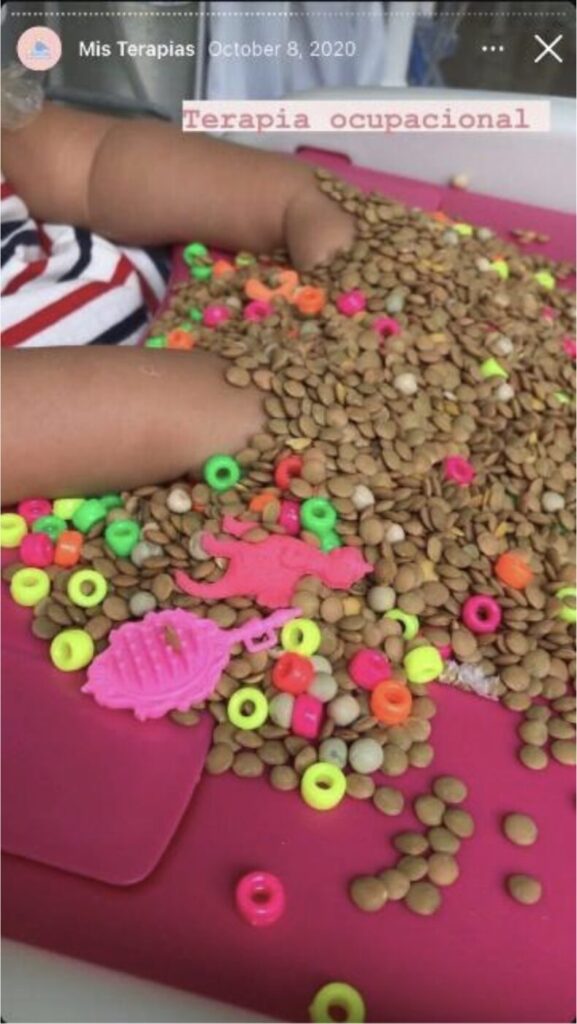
(548, 48)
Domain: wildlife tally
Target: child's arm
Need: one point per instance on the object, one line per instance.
(144, 182)
(82, 421)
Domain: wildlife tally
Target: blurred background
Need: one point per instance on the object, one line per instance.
(483, 46)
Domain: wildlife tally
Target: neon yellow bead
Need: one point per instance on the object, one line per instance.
(66, 507)
(87, 580)
(423, 665)
(410, 623)
(29, 586)
(72, 649)
(323, 786)
(253, 719)
(338, 996)
(301, 636)
(500, 268)
(12, 529)
(463, 229)
(492, 368)
(545, 279)
(568, 612)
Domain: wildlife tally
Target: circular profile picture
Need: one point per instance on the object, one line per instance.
(39, 48)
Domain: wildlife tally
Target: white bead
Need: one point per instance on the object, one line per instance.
(281, 708)
(395, 534)
(179, 500)
(362, 497)
(365, 756)
(552, 502)
(344, 709)
(503, 345)
(504, 392)
(324, 687)
(334, 751)
(406, 383)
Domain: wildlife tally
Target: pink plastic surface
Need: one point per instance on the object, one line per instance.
(113, 781)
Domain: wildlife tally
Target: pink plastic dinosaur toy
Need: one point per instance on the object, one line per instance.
(171, 660)
(270, 570)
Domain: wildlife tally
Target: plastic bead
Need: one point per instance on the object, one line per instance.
(323, 786)
(337, 1001)
(492, 368)
(213, 316)
(87, 588)
(13, 529)
(122, 536)
(423, 664)
(458, 470)
(501, 268)
(260, 501)
(351, 303)
(570, 347)
(548, 313)
(318, 515)
(221, 268)
(180, 339)
(391, 702)
(257, 310)
(66, 507)
(52, 525)
(194, 252)
(463, 229)
(481, 614)
(72, 649)
(32, 508)
(29, 586)
(195, 314)
(545, 279)
(244, 259)
(568, 612)
(301, 636)
(111, 501)
(260, 898)
(68, 549)
(252, 719)
(330, 540)
(87, 515)
(290, 517)
(202, 272)
(285, 469)
(309, 300)
(512, 569)
(221, 472)
(387, 326)
(157, 341)
(410, 623)
(37, 550)
(307, 716)
(369, 667)
(292, 673)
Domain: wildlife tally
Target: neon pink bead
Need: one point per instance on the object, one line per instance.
(215, 315)
(260, 898)
(307, 716)
(481, 614)
(257, 310)
(37, 549)
(33, 508)
(290, 517)
(386, 326)
(458, 470)
(570, 347)
(548, 313)
(367, 668)
(351, 303)
(445, 650)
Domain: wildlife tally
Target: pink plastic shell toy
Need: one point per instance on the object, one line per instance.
(458, 470)
(171, 660)
(257, 310)
(307, 716)
(269, 570)
(386, 326)
(369, 667)
(33, 508)
(351, 303)
(260, 898)
(37, 550)
(215, 315)
(290, 517)
(481, 614)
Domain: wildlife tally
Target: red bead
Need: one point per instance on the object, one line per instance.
(292, 673)
(286, 469)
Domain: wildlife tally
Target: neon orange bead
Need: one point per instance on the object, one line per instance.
(260, 501)
(309, 300)
(221, 268)
(179, 338)
(287, 282)
(512, 569)
(68, 548)
(440, 216)
(391, 702)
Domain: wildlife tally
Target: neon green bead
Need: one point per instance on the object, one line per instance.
(330, 540)
(52, 525)
(244, 259)
(66, 507)
(301, 636)
(410, 623)
(201, 273)
(563, 398)
(193, 252)
(423, 665)
(87, 515)
(247, 695)
(492, 368)
(221, 472)
(195, 314)
(111, 501)
(157, 341)
(72, 649)
(122, 536)
(87, 588)
(337, 996)
(501, 268)
(568, 612)
(318, 515)
(462, 229)
(29, 586)
(323, 786)
(545, 279)
(13, 528)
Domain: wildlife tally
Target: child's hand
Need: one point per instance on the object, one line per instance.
(316, 228)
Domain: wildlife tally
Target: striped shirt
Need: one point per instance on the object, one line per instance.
(67, 286)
